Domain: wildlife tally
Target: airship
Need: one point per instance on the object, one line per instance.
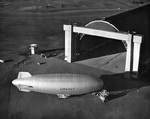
(61, 84)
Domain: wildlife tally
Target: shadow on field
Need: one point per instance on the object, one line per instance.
(119, 86)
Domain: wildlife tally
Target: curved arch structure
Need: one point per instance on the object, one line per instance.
(87, 43)
(101, 25)
(104, 25)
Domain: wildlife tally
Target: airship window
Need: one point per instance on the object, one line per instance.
(30, 86)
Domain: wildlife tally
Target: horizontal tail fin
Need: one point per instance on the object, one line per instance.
(24, 74)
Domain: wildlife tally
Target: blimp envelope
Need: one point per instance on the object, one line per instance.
(58, 83)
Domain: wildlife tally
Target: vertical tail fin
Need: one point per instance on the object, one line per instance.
(24, 74)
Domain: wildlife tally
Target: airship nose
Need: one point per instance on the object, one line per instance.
(15, 82)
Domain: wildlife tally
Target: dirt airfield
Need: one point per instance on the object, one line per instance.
(25, 22)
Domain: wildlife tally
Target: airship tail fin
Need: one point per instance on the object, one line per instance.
(24, 74)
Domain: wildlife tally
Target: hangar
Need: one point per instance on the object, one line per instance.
(124, 29)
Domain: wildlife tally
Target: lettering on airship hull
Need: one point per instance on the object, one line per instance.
(67, 88)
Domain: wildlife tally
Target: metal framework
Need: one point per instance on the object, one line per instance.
(133, 43)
